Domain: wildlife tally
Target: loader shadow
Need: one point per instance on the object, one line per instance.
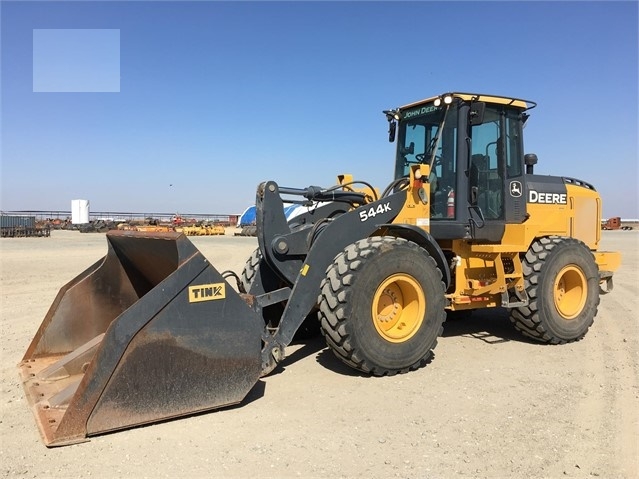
(491, 326)
(308, 347)
(257, 392)
(327, 359)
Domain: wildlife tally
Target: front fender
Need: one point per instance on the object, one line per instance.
(423, 239)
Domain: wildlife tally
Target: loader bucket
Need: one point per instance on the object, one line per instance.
(151, 331)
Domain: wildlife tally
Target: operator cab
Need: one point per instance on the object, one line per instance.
(474, 146)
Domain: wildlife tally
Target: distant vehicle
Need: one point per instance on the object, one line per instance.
(614, 223)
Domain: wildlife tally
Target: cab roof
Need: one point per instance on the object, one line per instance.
(502, 100)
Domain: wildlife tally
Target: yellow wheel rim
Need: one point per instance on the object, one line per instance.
(398, 308)
(570, 291)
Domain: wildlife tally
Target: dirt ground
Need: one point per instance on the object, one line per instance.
(491, 404)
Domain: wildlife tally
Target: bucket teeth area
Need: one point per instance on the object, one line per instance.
(49, 391)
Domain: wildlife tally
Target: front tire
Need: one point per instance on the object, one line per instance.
(382, 306)
(562, 282)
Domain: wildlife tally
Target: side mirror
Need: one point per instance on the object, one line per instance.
(393, 116)
(392, 128)
(476, 113)
(530, 160)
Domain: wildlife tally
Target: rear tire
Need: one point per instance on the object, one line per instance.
(562, 282)
(382, 306)
(256, 267)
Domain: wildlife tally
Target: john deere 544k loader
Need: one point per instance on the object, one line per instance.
(153, 331)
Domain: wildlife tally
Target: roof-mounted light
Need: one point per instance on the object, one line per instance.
(446, 100)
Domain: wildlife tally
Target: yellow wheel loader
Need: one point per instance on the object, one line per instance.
(153, 331)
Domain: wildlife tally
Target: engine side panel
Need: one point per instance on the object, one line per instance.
(585, 222)
(557, 206)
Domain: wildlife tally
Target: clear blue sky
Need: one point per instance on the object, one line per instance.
(212, 98)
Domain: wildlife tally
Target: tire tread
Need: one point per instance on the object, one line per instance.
(335, 293)
(527, 319)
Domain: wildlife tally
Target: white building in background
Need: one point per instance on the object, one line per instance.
(79, 212)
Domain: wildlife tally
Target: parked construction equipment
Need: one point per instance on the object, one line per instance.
(202, 230)
(153, 331)
(614, 223)
(153, 228)
(20, 226)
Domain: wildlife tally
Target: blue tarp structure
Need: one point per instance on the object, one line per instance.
(289, 210)
(248, 217)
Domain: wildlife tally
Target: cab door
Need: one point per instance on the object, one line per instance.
(496, 180)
